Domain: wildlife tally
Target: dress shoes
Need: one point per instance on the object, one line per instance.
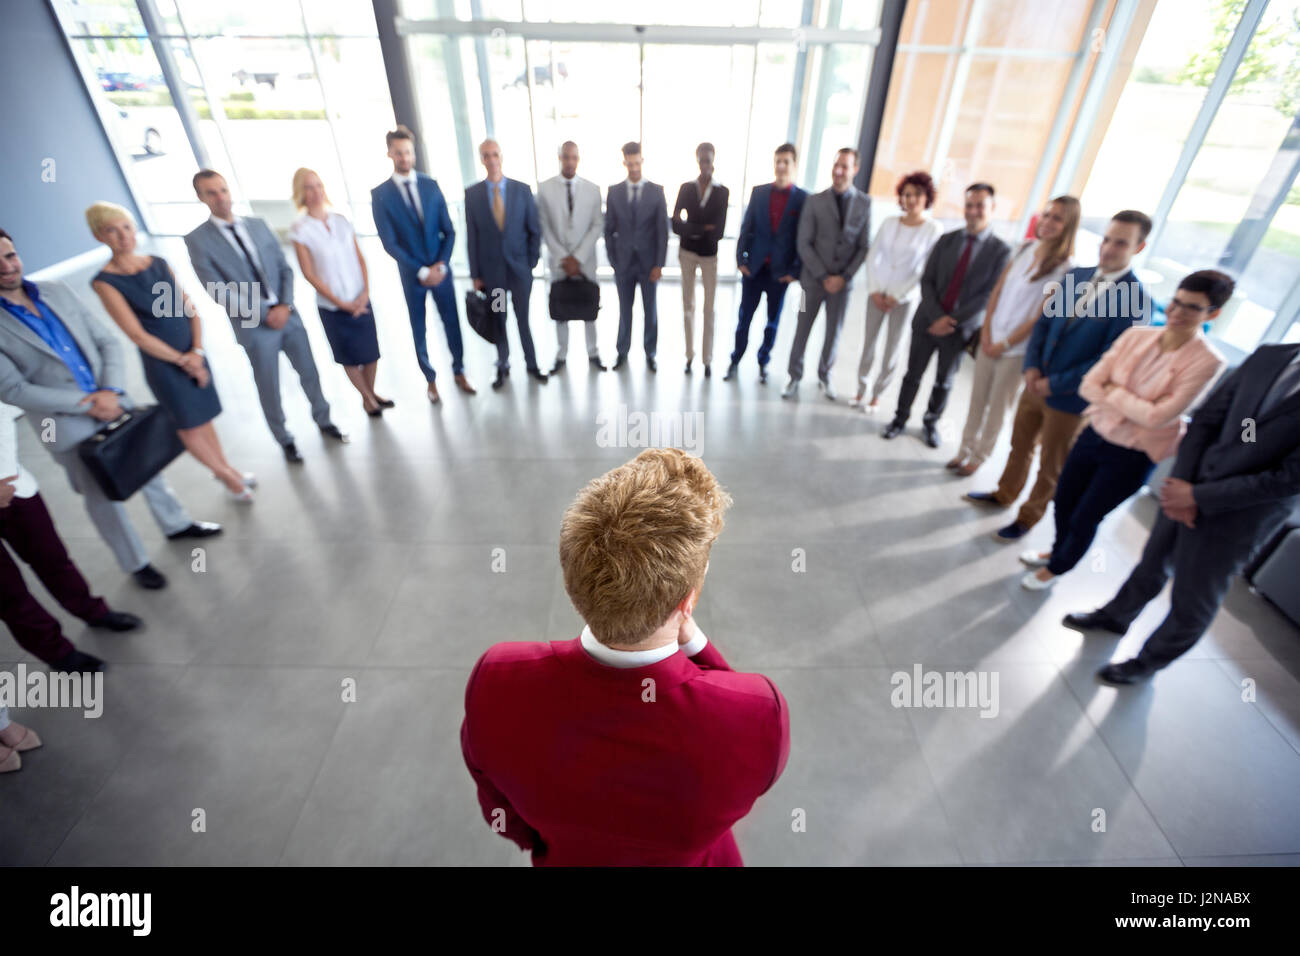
(149, 577)
(500, 380)
(892, 430)
(116, 621)
(1012, 532)
(1093, 621)
(762, 375)
(688, 366)
(983, 498)
(955, 463)
(432, 392)
(597, 364)
(557, 368)
(292, 454)
(791, 389)
(198, 529)
(463, 384)
(1125, 673)
(708, 370)
(332, 431)
(730, 375)
(538, 374)
(620, 362)
(930, 435)
(827, 389)
(650, 364)
(76, 661)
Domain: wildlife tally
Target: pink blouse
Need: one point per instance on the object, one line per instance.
(1151, 389)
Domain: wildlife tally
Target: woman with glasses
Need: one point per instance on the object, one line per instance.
(1139, 391)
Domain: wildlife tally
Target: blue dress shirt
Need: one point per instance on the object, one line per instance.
(54, 334)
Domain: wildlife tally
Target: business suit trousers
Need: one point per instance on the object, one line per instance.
(1203, 561)
(708, 269)
(949, 349)
(110, 517)
(992, 395)
(752, 289)
(444, 299)
(27, 526)
(562, 340)
(1098, 476)
(517, 290)
(898, 318)
(263, 346)
(1036, 424)
(813, 298)
(626, 283)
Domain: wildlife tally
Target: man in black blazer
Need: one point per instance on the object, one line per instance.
(636, 241)
(959, 276)
(1235, 480)
(699, 218)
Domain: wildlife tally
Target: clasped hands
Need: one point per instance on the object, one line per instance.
(1178, 502)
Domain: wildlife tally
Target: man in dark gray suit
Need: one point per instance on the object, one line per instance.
(1234, 482)
(636, 241)
(232, 255)
(959, 276)
(834, 230)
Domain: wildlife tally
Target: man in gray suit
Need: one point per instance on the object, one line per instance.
(959, 276)
(834, 230)
(636, 241)
(61, 366)
(233, 256)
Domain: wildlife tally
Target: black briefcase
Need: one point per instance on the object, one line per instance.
(478, 310)
(574, 298)
(130, 450)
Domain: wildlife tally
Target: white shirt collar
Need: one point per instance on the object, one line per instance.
(400, 178)
(1100, 276)
(628, 659)
(221, 223)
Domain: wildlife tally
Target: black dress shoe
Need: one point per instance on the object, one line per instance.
(385, 402)
(332, 431)
(597, 364)
(762, 375)
(291, 453)
(149, 577)
(892, 430)
(117, 621)
(76, 661)
(731, 373)
(708, 370)
(502, 375)
(688, 366)
(1093, 621)
(538, 374)
(557, 367)
(930, 435)
(197, 529)
(375, 412)
(650, 364)
(1124, 673)
(620, 362)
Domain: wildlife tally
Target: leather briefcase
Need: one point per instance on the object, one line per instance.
(574, 298)
(128, 452)
(478, 310)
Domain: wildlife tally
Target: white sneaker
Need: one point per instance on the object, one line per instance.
(826, 389)
(1034, 559)
(859, 401)
(791, 389)
(244, 497)
(1031, 582)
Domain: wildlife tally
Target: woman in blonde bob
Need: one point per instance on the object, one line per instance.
(143, 297)
(331, 261)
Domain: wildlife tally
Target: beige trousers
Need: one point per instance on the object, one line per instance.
(708, 268)
(992, 395)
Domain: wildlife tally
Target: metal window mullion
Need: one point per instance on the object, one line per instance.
(952, 108)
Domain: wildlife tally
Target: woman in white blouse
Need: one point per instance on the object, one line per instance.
(331, 261)
(1014, 307)
(894, 268)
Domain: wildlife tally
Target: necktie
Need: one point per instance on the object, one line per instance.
(635, 188)
(410, 198)
(954, 284)
(1286, 383)
(498, 207)
(252, 263)
(568, 184)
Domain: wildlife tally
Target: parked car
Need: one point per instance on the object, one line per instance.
(243, 76)
(541, 75)
(114, 81)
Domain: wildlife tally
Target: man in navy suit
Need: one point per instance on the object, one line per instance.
(767, 255)
(415, 227)
(505, 242)
(1235, 480)
(636, 241)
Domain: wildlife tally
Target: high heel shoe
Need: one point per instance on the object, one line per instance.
(28, 741)
(385, 402)
(244, 497)
(10, 761)
(373, 412)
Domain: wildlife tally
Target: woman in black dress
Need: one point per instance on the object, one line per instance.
(142, 295)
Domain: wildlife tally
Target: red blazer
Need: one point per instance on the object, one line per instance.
(575, 762)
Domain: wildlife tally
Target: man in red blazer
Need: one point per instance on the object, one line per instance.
(634, 744)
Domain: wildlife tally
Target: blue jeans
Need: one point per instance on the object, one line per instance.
(752, 288)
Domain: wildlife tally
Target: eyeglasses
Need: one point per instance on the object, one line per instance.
(1186, 307)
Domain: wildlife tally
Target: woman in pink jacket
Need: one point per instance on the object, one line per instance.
(1139, 391)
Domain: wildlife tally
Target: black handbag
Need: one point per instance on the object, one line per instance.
(478, 310)
(574, 298)
(128, 452)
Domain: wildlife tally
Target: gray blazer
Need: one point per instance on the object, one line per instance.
(34, 378)
(227, 276)
(981, 276)
(646, 245)
(828, 248)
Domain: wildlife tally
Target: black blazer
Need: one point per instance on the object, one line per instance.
(691, 229)
(1245, 466)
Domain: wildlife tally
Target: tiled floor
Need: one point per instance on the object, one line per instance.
(378, 562)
